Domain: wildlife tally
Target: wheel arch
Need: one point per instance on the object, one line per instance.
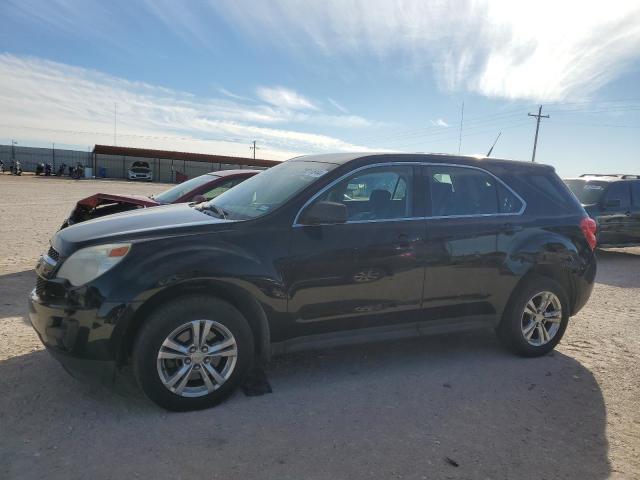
(549, 255)
(239, 298)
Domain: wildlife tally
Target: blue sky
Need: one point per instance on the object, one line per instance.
(337, 75)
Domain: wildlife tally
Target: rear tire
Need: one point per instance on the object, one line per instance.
(535, 318)
(192, 353)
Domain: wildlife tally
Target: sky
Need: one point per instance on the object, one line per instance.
(326, 76)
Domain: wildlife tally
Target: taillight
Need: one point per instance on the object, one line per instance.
(588, 226)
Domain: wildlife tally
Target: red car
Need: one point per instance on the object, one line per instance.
(198, 189)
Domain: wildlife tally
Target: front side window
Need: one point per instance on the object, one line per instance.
(376, 193)
(460, 191)
(618, 195)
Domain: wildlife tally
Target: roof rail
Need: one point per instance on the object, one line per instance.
(624, 176)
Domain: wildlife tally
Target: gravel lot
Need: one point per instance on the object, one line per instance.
(451, 406)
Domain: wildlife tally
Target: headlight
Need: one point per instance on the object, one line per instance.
(89, 263)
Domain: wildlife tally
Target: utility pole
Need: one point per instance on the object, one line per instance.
(460, 136)
(115, 120)
(254, 148)
(535, 142)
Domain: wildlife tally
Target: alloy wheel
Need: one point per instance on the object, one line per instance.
(541, 318)
(197, 358)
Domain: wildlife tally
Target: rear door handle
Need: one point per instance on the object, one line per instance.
(510, 229)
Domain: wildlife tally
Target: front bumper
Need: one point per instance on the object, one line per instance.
(140, 176)
(78, 337)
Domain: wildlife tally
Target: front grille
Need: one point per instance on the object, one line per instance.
(41, 284)
(53, 255)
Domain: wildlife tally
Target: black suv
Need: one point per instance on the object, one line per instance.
(614, 202)
(318, 251)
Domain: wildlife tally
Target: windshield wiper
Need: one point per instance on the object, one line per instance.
(218, 210)
(209, 208)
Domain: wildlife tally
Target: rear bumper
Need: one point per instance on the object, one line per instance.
(78, 338)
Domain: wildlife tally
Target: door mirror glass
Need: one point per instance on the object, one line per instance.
(324, 212)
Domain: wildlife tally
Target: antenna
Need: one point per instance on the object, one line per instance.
(494, 144)
(460, 136)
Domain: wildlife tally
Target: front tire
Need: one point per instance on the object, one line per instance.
(535, 318)
(192, 353)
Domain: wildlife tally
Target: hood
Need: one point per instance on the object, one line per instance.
(102, 198)
(179, 219)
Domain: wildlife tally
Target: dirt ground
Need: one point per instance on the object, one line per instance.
(450, 406)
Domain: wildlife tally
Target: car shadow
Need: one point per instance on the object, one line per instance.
(448, 406)
(613, 267)
(14, 289)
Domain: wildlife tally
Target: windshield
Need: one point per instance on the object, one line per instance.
(588, 193)
(174, 193)
(268, 190)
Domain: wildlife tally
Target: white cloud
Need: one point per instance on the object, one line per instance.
(544, 50)
(337, 105)
(44, 100)
(284, 98)
(439, 123)
(235, 96)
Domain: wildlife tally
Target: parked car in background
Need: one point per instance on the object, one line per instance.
(614, 202)
(198, 189)
(140, 171)
(191, 295)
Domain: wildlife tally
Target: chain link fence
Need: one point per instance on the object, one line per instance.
(108, 166)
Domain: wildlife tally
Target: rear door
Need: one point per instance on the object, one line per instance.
(365, 272)
(635, 211)
(473, 219)
(614, 222)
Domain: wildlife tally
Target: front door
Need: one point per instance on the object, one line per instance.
(365, 272)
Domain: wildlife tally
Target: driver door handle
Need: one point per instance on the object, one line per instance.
(403, 241)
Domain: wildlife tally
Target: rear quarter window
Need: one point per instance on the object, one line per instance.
(544, 192)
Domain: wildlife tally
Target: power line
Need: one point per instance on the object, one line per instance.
(535, 142)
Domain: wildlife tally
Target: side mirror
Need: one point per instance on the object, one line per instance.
(199, 199)
(324, 212)
(612, 203)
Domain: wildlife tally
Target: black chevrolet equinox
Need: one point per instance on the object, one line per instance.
(318, 251)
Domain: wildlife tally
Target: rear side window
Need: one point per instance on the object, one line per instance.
(459, 191)
(635, 191)
(618, 192)
(588, 193)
